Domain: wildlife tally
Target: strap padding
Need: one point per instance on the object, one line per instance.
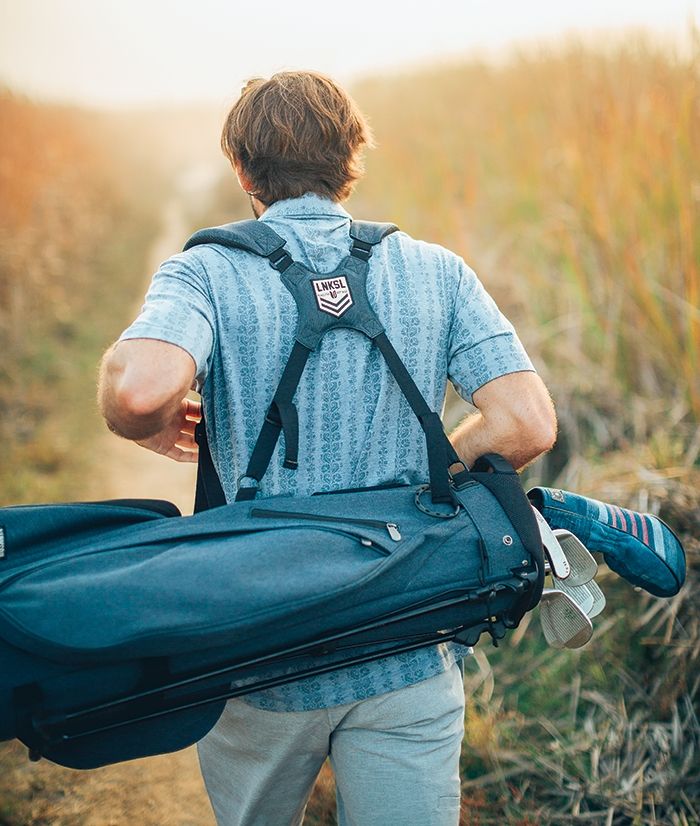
(252, 236)
(370, 232)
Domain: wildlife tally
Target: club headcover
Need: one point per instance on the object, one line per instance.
(638, 546)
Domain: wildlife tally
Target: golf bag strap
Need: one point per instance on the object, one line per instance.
(367, 234)
(497, 475)
(441, 454)
(259, 239)
(252, 236)
(282, 414)
(208, 490)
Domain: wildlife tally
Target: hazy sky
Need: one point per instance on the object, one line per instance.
(132, 51)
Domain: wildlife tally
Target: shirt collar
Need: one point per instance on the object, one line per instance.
(309, 205)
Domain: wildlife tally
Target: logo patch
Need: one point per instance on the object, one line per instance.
(333, 295)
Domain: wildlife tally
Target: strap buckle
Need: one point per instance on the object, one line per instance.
(280, 259)
(255, 486)
(461, 477)
(361, 249)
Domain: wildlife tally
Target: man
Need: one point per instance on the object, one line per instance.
(221, 320)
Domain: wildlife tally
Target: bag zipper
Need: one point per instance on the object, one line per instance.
(29, 572)
(390, 527)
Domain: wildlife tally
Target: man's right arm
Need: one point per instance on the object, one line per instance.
(515, 417)
(490, 368)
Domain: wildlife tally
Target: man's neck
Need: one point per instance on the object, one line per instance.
(257, 206)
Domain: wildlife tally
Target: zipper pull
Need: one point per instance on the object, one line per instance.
(393, 530)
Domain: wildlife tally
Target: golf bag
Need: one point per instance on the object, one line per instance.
(125, 627)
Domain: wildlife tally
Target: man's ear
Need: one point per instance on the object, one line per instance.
(244, 181)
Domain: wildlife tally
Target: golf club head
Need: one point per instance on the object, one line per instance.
(598, 598)
(589, 597)
(558, 562)
(581, 594)
(564, 624)
(582, 565)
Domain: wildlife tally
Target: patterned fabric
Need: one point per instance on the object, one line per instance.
(230, 311)
(637, 546)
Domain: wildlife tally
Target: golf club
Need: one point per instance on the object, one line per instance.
(564, 624)
(580, 594)
(598, 598)
(553, 550)
(582, 565)
(599, 601)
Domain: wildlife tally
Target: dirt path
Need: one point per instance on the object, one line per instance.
(128, 470)
(158, 791)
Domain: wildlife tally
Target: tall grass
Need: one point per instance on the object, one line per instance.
(569, 177)
(73, 236)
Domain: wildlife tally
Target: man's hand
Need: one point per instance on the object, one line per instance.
(176, 440)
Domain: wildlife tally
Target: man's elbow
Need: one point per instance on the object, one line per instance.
(538, 428)
(129, 407)
(545, 434)
(137, 402)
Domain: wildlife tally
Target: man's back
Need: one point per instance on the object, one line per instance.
(356, 429)
(391, 728)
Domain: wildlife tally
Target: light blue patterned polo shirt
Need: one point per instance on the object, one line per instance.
(231, 312)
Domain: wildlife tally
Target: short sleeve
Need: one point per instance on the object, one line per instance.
(483, 343)
(178, 309)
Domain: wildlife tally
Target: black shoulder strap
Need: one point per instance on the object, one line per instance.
(259, 239)
(251, 235)
(367, 234)
(282, 414)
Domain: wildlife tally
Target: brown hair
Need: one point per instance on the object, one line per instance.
(294, 133)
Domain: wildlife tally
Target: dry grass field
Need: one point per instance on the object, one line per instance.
(569, 178)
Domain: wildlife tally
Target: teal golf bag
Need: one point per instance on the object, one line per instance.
(125, 627)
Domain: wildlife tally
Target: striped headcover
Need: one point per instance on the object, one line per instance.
(638, 546)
